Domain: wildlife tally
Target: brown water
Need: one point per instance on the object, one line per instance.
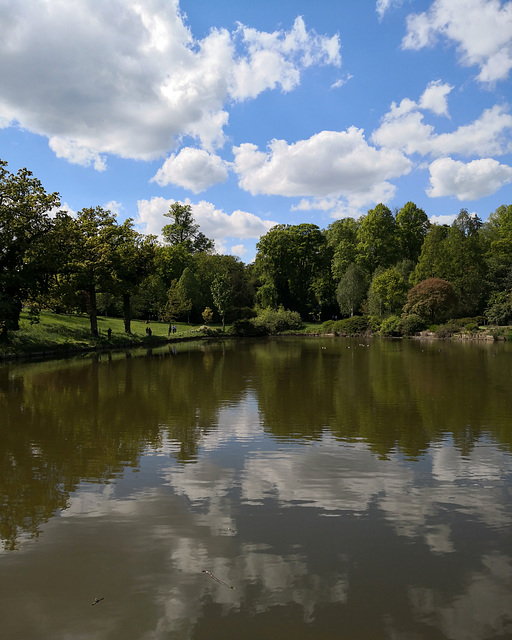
(334, 489)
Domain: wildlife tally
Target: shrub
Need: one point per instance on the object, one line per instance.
(391, 327)
(445, 331)
(328, 326)
(411, 324)
(247, 328)
(277, 321)
(351, 326)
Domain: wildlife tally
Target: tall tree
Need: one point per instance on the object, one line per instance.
(433, 259)
(412, 226)
(183, 231)
(291, 260)
(24, 229)
(92, 259)
(342, 239)
(133, 262)
(222, 293)
(377, 241)
(351, 289)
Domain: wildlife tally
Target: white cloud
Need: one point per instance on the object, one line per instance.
(481, 30)
(330, 164)
(383, 5)
(128, 78)
(277, 58)
(193, 169)
(470, 181)
(238, 250)
(434, 98)
(442, 219)
(114, 206)
(214, 223)
(403, 128)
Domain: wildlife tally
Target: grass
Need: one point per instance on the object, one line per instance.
(68, 333)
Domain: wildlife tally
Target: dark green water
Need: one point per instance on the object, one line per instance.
(344, 490)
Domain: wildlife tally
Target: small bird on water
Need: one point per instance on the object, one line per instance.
(96, 600)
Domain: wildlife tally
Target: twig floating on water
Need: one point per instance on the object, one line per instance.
(209, 573)
(96, 600)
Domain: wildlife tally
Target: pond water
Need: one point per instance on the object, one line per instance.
(296, 488)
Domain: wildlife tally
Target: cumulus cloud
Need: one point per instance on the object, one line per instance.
(403, 128)
(214, 223)
(469, 181)
(330, 164)
(434, 98)
(193, 169)
(128, 78)
(480, 29)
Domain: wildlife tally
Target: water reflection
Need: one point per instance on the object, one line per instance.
(360, 492)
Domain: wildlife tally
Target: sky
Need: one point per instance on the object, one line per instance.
(260, 113)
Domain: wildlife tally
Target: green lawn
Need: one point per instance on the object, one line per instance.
(72, 332)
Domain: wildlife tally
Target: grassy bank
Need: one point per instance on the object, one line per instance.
(68, 333)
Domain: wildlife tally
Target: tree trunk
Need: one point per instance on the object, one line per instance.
(93, 311)
(127, 313)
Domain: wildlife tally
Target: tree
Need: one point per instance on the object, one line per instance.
(292, 261)
(342, 240)
(190, 287)
(351, 289)
(94, 237)
(183, 231)
(433, 260)
(222, 294)
(207, 316)
(412, 226)
(377, 242)
(178, 305)
(133, 261)
(24, 229)
(497, 234)
(387, 292)
(466, 264)
(433, 300)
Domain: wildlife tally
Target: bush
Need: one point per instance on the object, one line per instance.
(268, 322)
(351, 326)
(391, 327)
(328, 326)
(247, 328)
(279, 321)
(445, 331)
(240, 313)
(411, 324)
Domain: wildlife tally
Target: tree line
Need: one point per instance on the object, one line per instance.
(386, 264)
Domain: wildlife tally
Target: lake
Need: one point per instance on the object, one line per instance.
(290, 488)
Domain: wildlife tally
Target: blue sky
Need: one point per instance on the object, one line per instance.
(260, 113)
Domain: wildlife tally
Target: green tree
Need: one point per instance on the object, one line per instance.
(342, 239)
(184, 231)
(497, 234)
(387, 292)
(222, 294)
(178, 305)
(133, 262)
(351, 289)
(24, 229)
(434, 300)
(292, 261)
(191, 290)
(94, 238)
(433, 259)
(412, 226)
(377, 241)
